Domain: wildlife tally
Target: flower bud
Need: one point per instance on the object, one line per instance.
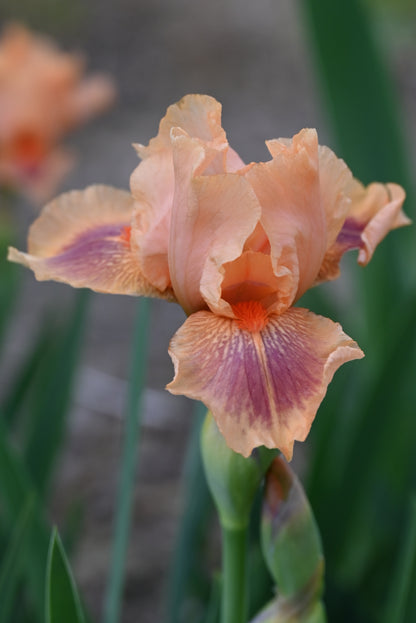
(290, 538)
(232, 479)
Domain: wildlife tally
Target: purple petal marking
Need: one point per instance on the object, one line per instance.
(350, 235)
(263, 387)
(96, 254)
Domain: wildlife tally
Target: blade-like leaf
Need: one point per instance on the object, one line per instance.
(15, 489)
(128, 463)
(12, 560)
(188, 587)
(400, 586)
(62, 601)
(48, 416)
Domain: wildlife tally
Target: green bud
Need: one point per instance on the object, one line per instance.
(232, 479)
(290, 538)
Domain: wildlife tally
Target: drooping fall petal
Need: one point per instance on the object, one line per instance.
(83, 238)
(262, 378)
(374, 211)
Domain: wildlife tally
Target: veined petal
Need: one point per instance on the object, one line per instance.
(374, 211)
(293, 217)
(212, 217)
(83, 238)
(262, 386)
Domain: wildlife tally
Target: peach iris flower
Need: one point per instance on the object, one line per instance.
(236, 245)
(43, 95)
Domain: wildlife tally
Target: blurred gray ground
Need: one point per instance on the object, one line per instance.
(255, 59)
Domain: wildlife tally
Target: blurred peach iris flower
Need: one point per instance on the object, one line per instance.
(236, 245)
(43, 95)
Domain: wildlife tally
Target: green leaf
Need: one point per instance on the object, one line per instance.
(188, 585)
(62, 601)
(128, 463)
(47, 422)
(15, 489)
(13, 558)
(401, 581)
(19, 387)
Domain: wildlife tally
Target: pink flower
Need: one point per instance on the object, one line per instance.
(43, 95)
(236, 245)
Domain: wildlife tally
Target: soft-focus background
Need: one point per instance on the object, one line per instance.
(257, 59)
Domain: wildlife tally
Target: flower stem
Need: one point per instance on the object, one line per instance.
(234, 593)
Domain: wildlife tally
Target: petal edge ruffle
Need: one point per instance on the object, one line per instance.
(263, 388)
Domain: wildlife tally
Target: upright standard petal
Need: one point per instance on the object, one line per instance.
(293, 217)
(374, 211)
(212, 217)
(263, 378)
(152, 182)
(83, 238)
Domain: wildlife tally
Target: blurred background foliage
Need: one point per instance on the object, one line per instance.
(359, 463)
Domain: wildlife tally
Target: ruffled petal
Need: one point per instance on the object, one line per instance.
(212, 217)
(335, 179)
(152, 182)
(374, 211)
(83, 238)
(263, 386)
(292, 213)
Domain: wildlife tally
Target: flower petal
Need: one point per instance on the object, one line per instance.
(334, 180)
(152, 182)
(212, 217)
(83, 238)
(292, 213)
(263, 387)
(374, 211)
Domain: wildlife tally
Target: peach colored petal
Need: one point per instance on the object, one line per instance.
(152, 185)
(374, 211)
(334, 180)
(83, 238)
(152, 182)
(263, 387)
(212, 217)
(198, 115)
(293, 217)
(251, 277)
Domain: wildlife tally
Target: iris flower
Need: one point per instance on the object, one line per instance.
(43, 95)
(236, 246)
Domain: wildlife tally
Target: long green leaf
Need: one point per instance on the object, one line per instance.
(19, 387)
(62, 601)
(365, 116)
(128, 464)
(15, 488)
(400, 586)
(13, 558)
(188, 588)
(48, 417)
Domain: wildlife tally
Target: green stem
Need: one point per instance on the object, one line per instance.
(234, 593)
(128, 471)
